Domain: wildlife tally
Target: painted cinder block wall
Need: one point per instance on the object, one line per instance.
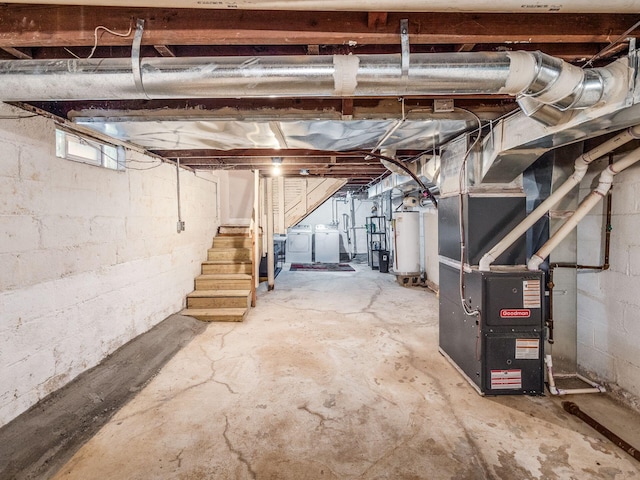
(609, 301)
(90, 257)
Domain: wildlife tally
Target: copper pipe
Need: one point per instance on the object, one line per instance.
(573, 409)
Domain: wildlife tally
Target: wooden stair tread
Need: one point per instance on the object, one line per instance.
(218, 293)
(212, 311)
(224, 262)
(224, 276)
(216, 314)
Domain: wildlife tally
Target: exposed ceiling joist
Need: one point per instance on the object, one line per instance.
(23, 54)
(61, 32)
(41, 26)
(164, 50)
(268, 153)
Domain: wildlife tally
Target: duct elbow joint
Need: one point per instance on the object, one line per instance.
(556, 86)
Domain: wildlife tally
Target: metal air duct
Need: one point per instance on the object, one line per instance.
(546, 79)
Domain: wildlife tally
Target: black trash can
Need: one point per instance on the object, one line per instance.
(383, 261)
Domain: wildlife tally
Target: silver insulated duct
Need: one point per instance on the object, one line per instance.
(543, 79)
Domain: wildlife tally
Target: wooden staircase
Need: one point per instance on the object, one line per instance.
(223, 290)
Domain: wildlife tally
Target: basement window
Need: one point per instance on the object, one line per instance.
(79, 149)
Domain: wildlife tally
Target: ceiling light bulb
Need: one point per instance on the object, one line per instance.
(276, 162)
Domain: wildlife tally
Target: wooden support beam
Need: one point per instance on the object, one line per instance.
(267, 153)
(22, 54)
(376, 19)
(255, 238)
(347, 108)
(466, 47)
(270, 248)
(44, 25)
(164, 50)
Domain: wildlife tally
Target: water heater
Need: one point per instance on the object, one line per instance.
(406, 235)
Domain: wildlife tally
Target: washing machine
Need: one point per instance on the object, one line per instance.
(299, 244)
(327, 244)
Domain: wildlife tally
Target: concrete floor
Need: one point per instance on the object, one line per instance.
(338, 376)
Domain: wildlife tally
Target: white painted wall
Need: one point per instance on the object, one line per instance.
(90, 257)
(609, 302)
(239, 195)
(323, 216)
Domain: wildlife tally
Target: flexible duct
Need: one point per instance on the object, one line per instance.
(536, 75)
(581, 166)
(591, 200)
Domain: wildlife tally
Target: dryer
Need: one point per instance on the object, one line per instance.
(299, 244)
(327, 244)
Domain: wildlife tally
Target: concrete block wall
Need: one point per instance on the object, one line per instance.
(90, 257)
(609, 301)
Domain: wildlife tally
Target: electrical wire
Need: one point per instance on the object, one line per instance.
(95, 38)
(611, 45)
(468, 310)
(425, 190)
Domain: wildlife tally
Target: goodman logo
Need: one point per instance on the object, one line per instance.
(515, 313)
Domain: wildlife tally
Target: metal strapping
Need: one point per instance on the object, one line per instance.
(404, 39)
(135, 57)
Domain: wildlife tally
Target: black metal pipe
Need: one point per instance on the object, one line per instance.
(607, 239)
(605, 265)
(573, 409)
(549, 321)
(404, 168)
(608, 227)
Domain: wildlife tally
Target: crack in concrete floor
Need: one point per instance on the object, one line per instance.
(235, 451)
(313, 385)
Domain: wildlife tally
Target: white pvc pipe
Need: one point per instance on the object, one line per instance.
(503, 6)
(554, 390)
(606, 179)
(580, 169)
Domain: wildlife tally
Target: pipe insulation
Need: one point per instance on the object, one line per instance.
(581, 166)
(524, 74)
(590, 201)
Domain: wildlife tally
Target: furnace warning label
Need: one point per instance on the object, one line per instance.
(506, 379)
(531, 294)
(527, 349)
